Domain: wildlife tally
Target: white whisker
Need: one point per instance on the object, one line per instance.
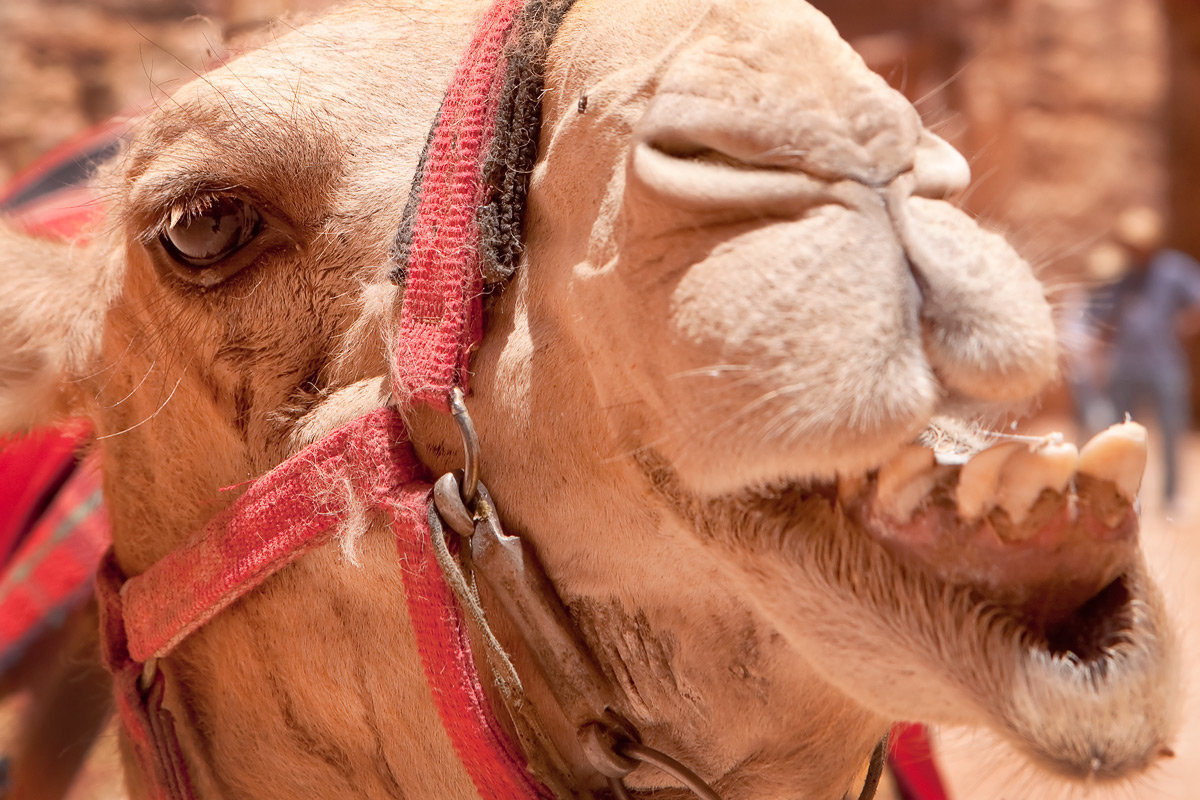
(147, 419)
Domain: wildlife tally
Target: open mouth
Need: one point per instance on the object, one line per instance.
(1034, 525)
(1009, 578)
(1041, 538)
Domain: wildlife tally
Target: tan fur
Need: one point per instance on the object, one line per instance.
(675, 359)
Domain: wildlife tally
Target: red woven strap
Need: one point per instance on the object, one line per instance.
(281, 516)
(149, 728)
(496, 766)
(440, 318)
(292, 509)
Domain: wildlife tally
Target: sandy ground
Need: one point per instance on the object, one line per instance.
(977, 766)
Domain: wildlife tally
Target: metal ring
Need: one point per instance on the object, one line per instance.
(600, 745)
(466, 427)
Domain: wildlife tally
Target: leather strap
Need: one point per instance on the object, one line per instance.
(281, 516)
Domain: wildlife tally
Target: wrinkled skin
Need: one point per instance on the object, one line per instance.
(741, 293)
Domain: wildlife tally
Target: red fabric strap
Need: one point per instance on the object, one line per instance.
(910, 755)
(281, 516)
(440, 318)
(149, 728)
(496, 766)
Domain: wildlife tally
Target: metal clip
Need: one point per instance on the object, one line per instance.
(513, 572)
(466, 427)
(448, 499)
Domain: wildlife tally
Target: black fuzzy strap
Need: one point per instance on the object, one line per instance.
(509, 162)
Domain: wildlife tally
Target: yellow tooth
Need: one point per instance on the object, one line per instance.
(976, 490)
(905, 480)
(1029, 472)
(1117, 454)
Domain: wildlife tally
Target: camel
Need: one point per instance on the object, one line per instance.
(734, 398)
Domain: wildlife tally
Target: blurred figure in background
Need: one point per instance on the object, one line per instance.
(1086, 357)
(1147, 362)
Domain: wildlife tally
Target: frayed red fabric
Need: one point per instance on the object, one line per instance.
(293, 509)
(441, 319)
(297, 506)
(283, 515)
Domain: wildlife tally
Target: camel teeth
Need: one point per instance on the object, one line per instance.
(951, 459)
(975, 493)
(1027, 473)
(1117, 454)
(905, 480)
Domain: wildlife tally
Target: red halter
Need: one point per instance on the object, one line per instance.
(285, 514)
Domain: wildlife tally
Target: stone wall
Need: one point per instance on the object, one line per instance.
(66, 65)
(1182, 124)
(1058, 104)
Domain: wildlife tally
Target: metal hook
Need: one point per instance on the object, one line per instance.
(466, 427)
(664, 763)
(447, 498)
(615, 754)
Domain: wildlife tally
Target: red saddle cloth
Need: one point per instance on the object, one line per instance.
(52, 526)
(52, 534)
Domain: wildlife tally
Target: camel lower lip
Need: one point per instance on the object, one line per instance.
(1065, 555)
(1072, 537)
(1113, 653)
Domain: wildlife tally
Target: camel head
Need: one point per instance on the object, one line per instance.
(736, 397)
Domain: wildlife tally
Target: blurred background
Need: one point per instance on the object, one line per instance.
(1070, 112)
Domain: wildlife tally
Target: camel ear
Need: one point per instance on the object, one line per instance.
(50, 320)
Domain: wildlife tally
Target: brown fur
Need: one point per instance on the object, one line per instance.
(671, 371)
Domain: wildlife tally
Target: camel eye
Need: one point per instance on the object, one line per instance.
(210, 231)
